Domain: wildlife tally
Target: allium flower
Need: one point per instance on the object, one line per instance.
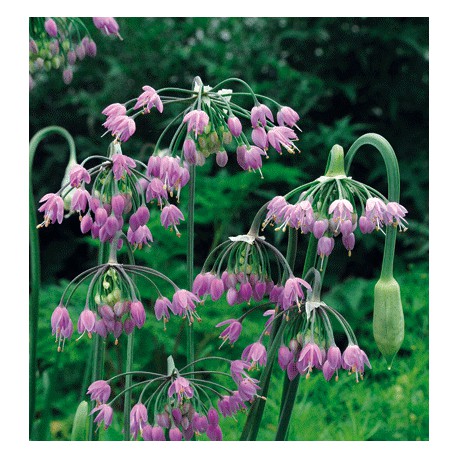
(232, 332)
(148, 99)
(285, 356)
(325, 246)
(161, 308)
(105, 415)
(138, 419)
(288, 116)
(137, 313)
(53, 209)
(238, 370)
(184, 303)
(78, 175)
(320, 227)
(375, 211)
(175, 434)
(332, 363)
(61, 325)
(86, 322)
(280, 136)
(171, 216)
(235, 126)
(354, 359)
(151, 433)
(259, 114)
(121, 126)
(259, 137)
(100, 391)
(51, 27)
(395, 214)
(309, 357)
(197, 121)
(256, 353)
(67, 75)
(341, 210)
(80, 200)
(115, 109)
(121, 164)
(190, 151)
(181, 387)
(107, 25)
(248, 389)
(366, 225)
(293, 292)
(268, 326)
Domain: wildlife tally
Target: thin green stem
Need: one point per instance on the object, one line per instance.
(35, 270)
(127, 395)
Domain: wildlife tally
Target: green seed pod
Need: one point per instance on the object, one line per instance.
(80, 422)
(117, 294)
(97, 299)
(227, 138)
(388, 318)
(110, 299)
(47, 65)
(208, 128)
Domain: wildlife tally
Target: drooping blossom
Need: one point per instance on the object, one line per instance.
(280, 136)
(100, 391)
(256, 353)
(232, 332)
(181, 387)
(51, 27)
(148, 99)
(197, 121)
(259, 113)
(53, 208)
(138, 419)
(107, 25)
(104, 416)
(288, 116)
(171, 216)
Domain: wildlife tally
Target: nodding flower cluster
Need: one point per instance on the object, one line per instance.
(113, 305)
(208, 124)
(328, 207)
(52, 45)
(241, 269)
(119, 189)
(176, 409)
(311, 343)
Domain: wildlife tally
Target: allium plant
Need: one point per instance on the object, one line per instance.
(112, 201)
(59, 43)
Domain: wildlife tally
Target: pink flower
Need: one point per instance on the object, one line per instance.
(100, 391)
(280, 136)
(175, 434)
(115, 109)
(137, 313)
(138, 419)
(107, 25)
(121, 164)
(333, 362)
(259, 137)
(285, 356)
(325, 246)
(184, 302)
(80, 200)
(181, 387)
(171, 216)
(121, 126)
(252, 158)
(255, 352)
(86, 321)
(309, 357)
(232, 332)
(354, 359)
(395, 214)
(259, 113)
(51, 27)
(67, 75)
(78, 174)
(375, 211)
(105, 415)
(61, 324)
(151, 433)
(238, 370)
(287, 116)
(53, 208)
(190, 151)
(293, 292)
(248, 389)
(148, 99)
(197, 121)
(235, 126)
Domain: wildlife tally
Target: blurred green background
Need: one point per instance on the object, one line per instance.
(345, 77)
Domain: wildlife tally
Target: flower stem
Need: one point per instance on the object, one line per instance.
(35, 270)
(127, 395)
(190, 355)
(392, 171)
(98, 357)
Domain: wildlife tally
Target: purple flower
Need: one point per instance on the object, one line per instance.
(280, 136)
(118, 203)
(285, 356)
(151, 433)
(78, 174)
(139, 237)
(214, 433)
(259, 113)
(197, 121)
(138, 419)
(162, 307)
(366, 225)
(232, 332)
(341, 210)
(320, 227)
(332, 363)
(61, 325)
(100, 391)
(354, 359)
(171, 216)
(121, 164)
(287, 116)
(396, 212)
(181, 387)
(253, 158)
(184, 303)
(51, 27)
(375, 211)
(221, 158)
(67, 75)
(86, 321)
(137, 313)
(259, 137)
(325, 246)
(293, 292)
(216, 288)
(53, 208)
(256, 353)
(248, 389)
(115, 109)
(148, 99)
(235, 126)
(107, 25)
(238, 370)
(349, 242)
(105, 415)
(80, 200)
(190, 151)
(175, 434)
(309, 357)
(268, 326)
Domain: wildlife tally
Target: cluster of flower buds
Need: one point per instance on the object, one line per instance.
(51, 44)
(112, 303)
(211, 123)
(119, 189)
(176, 410)
(328, 208)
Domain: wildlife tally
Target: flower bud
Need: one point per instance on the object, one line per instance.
(388, 323)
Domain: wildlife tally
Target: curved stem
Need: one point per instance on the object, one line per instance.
(392, 171)
(35, 270)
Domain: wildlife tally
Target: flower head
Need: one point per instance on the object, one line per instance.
(232, 332)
